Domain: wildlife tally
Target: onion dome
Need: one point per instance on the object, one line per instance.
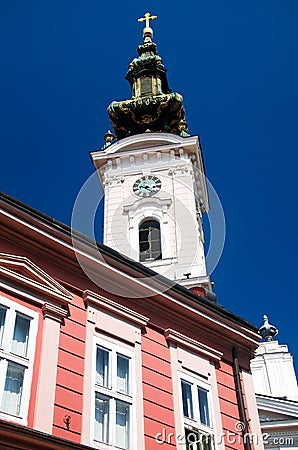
(153, 107)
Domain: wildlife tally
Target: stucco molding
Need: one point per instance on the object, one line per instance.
(149, 202)
(115, 308)
(192, 344)
(20, 275)
(54, 312)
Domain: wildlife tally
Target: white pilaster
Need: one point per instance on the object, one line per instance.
(45, 396)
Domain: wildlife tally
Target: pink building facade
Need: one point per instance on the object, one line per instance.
(84, 368)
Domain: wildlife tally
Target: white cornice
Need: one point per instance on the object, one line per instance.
(145, 141)
(276, 405)
(156, 143)
(280, 425)
(192, 344)
(115, 308)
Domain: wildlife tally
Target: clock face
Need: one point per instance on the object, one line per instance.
(147, 186)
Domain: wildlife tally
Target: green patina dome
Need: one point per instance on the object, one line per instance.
(152, 106)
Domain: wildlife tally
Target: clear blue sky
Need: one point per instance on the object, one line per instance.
(235, 63)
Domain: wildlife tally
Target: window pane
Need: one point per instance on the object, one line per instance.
(11, 400)
(144, 246)
(102, 367)
(143, 235)
(204, 409)
(122, 424)
(20, 335)
(207, 442)
(191, 440)
(198, 441)
(152, 224)
(122, 374)
(101, 428)
(155, 247)
(155, 234)
(187, 399)
(2, 320)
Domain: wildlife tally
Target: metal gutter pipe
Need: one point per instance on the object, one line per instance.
(240, 401)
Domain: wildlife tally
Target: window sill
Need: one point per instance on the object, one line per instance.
(159, 262)
(12, 418)
(105, 446)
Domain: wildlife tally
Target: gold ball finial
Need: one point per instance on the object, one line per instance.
(109, 137)
(147, 31)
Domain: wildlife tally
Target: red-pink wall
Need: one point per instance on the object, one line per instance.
(157, 389)
(70, 373)
(228, 406)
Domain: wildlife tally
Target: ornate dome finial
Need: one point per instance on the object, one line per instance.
(153, 107)
(267, 331)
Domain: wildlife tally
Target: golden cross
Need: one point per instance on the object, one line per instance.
(147, 17)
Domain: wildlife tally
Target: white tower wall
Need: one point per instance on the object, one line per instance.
(178, 206)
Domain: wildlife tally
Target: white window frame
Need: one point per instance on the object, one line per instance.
(7, 356)
(153, 211)
(111, 391)
(195, 425)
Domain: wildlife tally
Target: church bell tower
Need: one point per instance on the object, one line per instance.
(153, 175)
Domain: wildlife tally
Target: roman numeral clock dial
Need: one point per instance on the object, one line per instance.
(146, 186)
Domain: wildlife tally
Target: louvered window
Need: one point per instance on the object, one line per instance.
(146, 85)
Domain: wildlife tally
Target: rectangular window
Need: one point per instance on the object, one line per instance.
(187, 399)
(20, 335)
(199, 434)
(113, 397)
(18, 328)
(102, 367)
(203, 405)
(11, 398)
(122, 374)
(122, 424)
(101, 418)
